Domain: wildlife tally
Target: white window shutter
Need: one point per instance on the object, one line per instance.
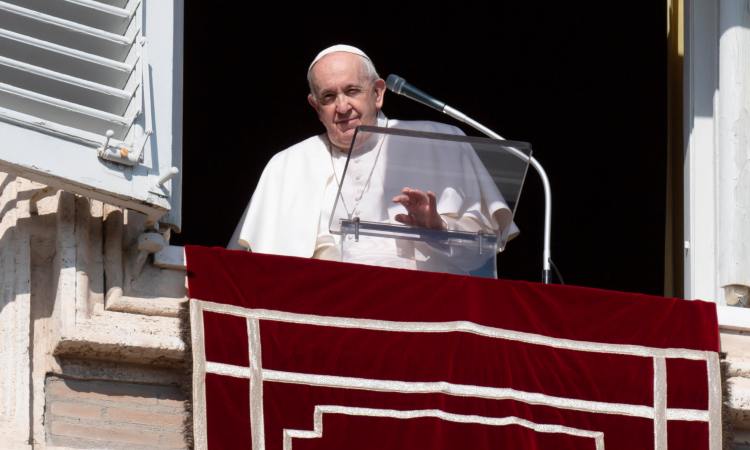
(91, 99)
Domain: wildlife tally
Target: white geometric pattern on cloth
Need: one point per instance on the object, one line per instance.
(659, 412)
(660, 402)
(317, 432)
(412, 387)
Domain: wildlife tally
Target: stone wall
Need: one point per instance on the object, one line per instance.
(113, 414)
(736, 345)
(90, 344)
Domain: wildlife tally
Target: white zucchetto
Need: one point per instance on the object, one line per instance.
(337, 48)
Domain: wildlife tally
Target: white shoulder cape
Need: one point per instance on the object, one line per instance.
(283, 213)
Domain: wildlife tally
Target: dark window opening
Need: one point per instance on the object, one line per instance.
(585, 86)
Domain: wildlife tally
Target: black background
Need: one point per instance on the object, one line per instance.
(585, 84)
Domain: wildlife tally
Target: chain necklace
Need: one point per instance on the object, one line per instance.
(366, 186)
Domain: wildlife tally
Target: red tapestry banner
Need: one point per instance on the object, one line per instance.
(291, 353)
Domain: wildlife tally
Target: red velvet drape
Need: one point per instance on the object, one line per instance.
(554, 362)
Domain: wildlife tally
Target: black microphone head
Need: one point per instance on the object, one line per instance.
(394, 83)
(398, 85)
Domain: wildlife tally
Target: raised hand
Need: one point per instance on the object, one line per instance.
(421, 208)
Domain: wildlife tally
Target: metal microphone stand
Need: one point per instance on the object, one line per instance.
(547, 255)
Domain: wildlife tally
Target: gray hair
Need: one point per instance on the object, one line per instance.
(367, 66)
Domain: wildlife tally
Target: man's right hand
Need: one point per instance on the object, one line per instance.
(421, 208)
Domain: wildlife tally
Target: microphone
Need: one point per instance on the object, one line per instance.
(398, 85)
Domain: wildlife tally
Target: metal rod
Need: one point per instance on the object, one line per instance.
(547, 256)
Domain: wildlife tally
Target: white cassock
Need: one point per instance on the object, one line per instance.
(290, 211)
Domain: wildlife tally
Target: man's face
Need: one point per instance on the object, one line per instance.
(344, 96)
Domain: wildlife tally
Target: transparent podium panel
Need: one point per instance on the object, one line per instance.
(427, 201)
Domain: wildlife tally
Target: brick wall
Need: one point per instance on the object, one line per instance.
(113, 414)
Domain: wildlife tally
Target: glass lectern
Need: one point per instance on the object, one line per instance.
(476, 184)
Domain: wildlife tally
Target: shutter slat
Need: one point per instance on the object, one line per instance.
(63, 59)
(117, 3)
(86, 12)
(64, 32)
(65, 87)
(21, 120)
(108, 90)
(63, 112)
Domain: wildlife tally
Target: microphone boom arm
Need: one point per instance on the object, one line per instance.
(398, 85)
(547, 255)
